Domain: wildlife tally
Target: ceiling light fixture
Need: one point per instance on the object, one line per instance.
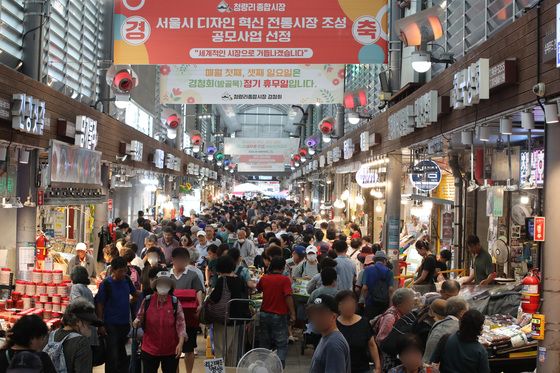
(353, 117)
(421, 61)
(551, 113)
(484, 134)
(506, 126)
(527, 120)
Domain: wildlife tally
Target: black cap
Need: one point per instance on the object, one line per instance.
(325, 302)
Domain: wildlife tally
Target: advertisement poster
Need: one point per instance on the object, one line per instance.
(252, 84)
(256, 155)
(247, 31)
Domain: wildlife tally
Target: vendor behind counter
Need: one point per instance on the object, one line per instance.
(482, 268)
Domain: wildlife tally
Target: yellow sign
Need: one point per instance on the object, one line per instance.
(446, 189)
(537, 326)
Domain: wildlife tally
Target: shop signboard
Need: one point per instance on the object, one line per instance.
(251, 84)
(348, 148)
(336, 153)
(70, 164)
(172, 162)
(540, 229)
(364, 141)
(503, 74)
(28, 114)
(322, 161)
(426, 109)
(329, 157)
(425, 175)
(247, 31)
(471, 85)
(110, 204)
(401, 123)
(159, 158)
(86, 132)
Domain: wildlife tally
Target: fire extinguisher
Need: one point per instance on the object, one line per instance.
(530, 293)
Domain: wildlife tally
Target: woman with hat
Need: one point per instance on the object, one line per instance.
(75, 335)
(161, 316)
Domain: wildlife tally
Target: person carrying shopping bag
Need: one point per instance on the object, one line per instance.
(163, 321)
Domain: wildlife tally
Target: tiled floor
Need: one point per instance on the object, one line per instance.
(296, 363)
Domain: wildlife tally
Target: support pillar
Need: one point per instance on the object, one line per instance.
(26, 227)
(391, 237)
(550, 252)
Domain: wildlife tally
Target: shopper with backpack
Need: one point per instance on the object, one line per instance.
(113, 300)
(163, 322)
(28, 335)
(377, 285)
(69, 347)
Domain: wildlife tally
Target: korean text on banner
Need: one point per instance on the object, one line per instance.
(256, 155)
(245, 31)
(252, 84)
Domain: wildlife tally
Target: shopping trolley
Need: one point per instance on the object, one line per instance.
(244, 327)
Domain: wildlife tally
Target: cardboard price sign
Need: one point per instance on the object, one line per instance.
(540, 229)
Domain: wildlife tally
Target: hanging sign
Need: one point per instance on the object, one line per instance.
(364, 141)
(540, 229)
(425, 175)
(322, 161)
(110, 204)
(367, 176)
(247, 31)
(28, 114)
(251, 84)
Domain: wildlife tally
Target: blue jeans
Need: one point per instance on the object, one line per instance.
(274, 334)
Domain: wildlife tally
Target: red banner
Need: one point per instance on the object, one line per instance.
(250, 31)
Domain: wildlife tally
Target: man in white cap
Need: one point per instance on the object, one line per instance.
(308, 267)
(82, 258)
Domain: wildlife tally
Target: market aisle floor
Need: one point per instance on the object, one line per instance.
(296, 362)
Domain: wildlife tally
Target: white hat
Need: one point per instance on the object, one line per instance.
(81, 247)
(201, 233)
(311, 250)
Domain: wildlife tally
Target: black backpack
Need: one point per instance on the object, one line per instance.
(379, 292)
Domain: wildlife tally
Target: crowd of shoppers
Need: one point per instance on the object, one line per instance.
(163, 280)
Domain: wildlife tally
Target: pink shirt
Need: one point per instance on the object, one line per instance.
(388, 319)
